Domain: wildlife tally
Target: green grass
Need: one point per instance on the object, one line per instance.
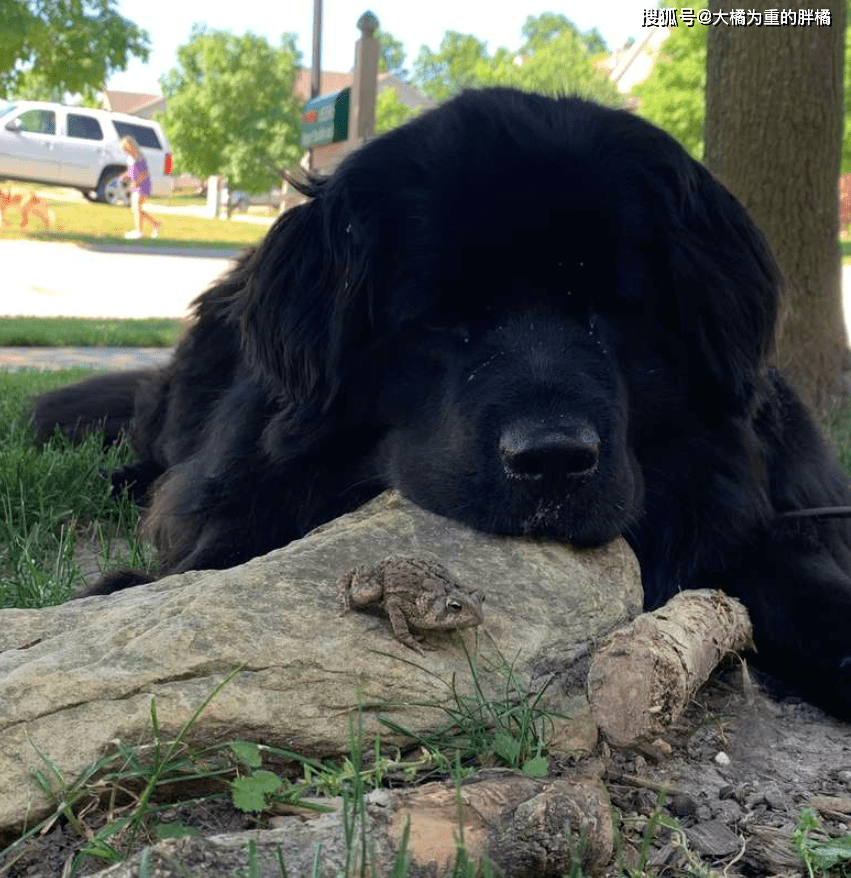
(56, 511)
(838, 429)
(89, 332)
(102, 224)
(182, 199)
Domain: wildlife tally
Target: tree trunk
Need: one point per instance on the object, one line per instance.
(774, 113)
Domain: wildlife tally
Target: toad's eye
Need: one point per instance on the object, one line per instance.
(454, 605)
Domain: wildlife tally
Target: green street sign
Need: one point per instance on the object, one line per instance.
(325, 119)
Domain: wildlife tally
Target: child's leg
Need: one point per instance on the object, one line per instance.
(144, 216)
(136, 199)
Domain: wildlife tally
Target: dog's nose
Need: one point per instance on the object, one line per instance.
(532, 450)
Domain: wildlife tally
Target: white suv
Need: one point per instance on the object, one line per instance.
(79, 147)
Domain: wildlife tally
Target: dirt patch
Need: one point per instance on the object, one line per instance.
(741, 767)
(734, 773)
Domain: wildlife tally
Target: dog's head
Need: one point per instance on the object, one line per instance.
(513, 293)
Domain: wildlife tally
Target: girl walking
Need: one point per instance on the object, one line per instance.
(140, 179)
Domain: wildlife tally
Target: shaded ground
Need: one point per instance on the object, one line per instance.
(737, 770)
(741, 768)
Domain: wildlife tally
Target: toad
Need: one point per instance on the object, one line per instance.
(416, 592)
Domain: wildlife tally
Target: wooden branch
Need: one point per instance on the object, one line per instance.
(643, 676)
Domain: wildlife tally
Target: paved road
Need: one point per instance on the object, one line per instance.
(45, 279)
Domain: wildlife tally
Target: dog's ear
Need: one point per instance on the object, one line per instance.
(726, 282)
(300, 311)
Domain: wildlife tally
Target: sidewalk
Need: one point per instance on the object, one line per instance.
(46, 279)
(110, 359)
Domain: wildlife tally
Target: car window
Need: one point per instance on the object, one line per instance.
(85, 127)
(38, 121)
(6, 108)
(144, 134)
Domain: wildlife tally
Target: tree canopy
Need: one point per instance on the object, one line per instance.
(232, 109)
(391, 54)
(672, 97)
(48, 47)
(554, 58)
(390, 112)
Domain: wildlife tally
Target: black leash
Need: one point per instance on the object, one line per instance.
(819, 512)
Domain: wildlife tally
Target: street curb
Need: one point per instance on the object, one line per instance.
(156, 250)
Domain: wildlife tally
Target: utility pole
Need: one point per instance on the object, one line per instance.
(317, 49)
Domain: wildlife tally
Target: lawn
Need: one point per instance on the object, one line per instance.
(57, 517)
(85, 223)
(89, 332)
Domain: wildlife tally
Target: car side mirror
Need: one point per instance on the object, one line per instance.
(13, 125)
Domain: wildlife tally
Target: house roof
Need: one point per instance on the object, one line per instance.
(329, 81)
(630, 67)
(128, 101)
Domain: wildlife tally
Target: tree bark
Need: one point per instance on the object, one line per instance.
(774, 115)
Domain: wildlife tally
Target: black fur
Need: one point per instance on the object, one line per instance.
(534, 316)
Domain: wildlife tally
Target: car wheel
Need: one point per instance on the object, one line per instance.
(112, 191)
(90, 194)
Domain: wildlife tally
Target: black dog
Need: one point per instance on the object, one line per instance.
(534, 316)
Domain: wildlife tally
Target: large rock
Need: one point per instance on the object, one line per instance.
(75, 678)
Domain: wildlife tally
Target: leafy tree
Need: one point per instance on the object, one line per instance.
(390, 112)
(594, 42)
(391, 55)
(538, 30)
(554, 59)
(559, 66)
(672, 97)
(459, 63)
(231, 107)
(48, 47)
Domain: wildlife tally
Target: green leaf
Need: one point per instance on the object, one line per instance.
(537, 766)
(507, 748)
(251, 793)
(830, 853)
(175, 829)
(247, 752)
